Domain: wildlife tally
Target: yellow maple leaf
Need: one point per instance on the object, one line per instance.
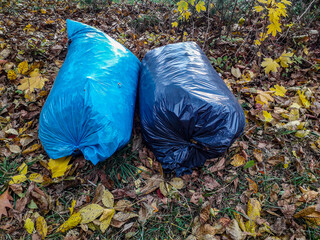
(285, 59)
(267, 116)
(192, 2)
(270, 65)
(263, 98)
(200, 6)
(273, 28)
(35, 81)
(29, 225)
(186, 15)
(279, 90)
(42, 227)
(174, 24)
(258, 8)
(182, 6)
(72, 222)
(59, 166)
(23, 67)
(11, 75)
(286, 2)
(303, 99)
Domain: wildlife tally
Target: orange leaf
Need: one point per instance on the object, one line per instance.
(4, 203)
(252, 185)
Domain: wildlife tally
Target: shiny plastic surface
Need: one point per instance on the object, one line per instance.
(90, 107)
(187, 112)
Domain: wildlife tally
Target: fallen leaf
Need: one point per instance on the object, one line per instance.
(146, 211)
(238, 160)
(122, 205)
(236, 72)
(107, 199)
(270, 65)
(165, 188)
(18, 179)
(23, 67)
(59, 166)
(36, 177)
(177, 183)
(234, 232)
(5, 203)
(124, 216)
(72, 206)
(105, 219)
(252, 185)
(253, 212)
(285, 59)
(308, 195)
(152, 184)
(23, 169)
(279, 90)
(72, 222)
(310, 214)
(267, 116)
(11, 75)
(303, 99)
(31, 149)
(42, 227)
(205, 212)
(258, 155)
(14, 148)
(90, 213)
(35, 81)
(29, 225)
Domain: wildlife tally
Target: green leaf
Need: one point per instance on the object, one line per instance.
(249, 164)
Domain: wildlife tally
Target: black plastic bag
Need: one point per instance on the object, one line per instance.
(187, 112)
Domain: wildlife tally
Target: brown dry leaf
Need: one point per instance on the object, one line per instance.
(146, 211)
(218, 166)
(310, 214)
(14, 148)
(276, 160)
(177, 183)
(258, 155)
(205, 212)
(124, 216)
(308, 195)
(42, 227)
(210, 183)
(233, 231)
(238, 160)
(90, 213)
(196, 197)
(252, 185)
(275, 189)
(152, 184)
(5, 203)
(123, 205)
(99, 193)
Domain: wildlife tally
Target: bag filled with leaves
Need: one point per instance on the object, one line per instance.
(187, 112)
(90, 107)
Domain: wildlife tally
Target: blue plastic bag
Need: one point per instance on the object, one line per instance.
(90, 107)
(187, 112)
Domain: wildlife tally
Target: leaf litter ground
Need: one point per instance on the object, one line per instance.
(266, 186)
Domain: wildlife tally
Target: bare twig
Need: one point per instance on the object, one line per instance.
(299, 18)
(206, 36)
